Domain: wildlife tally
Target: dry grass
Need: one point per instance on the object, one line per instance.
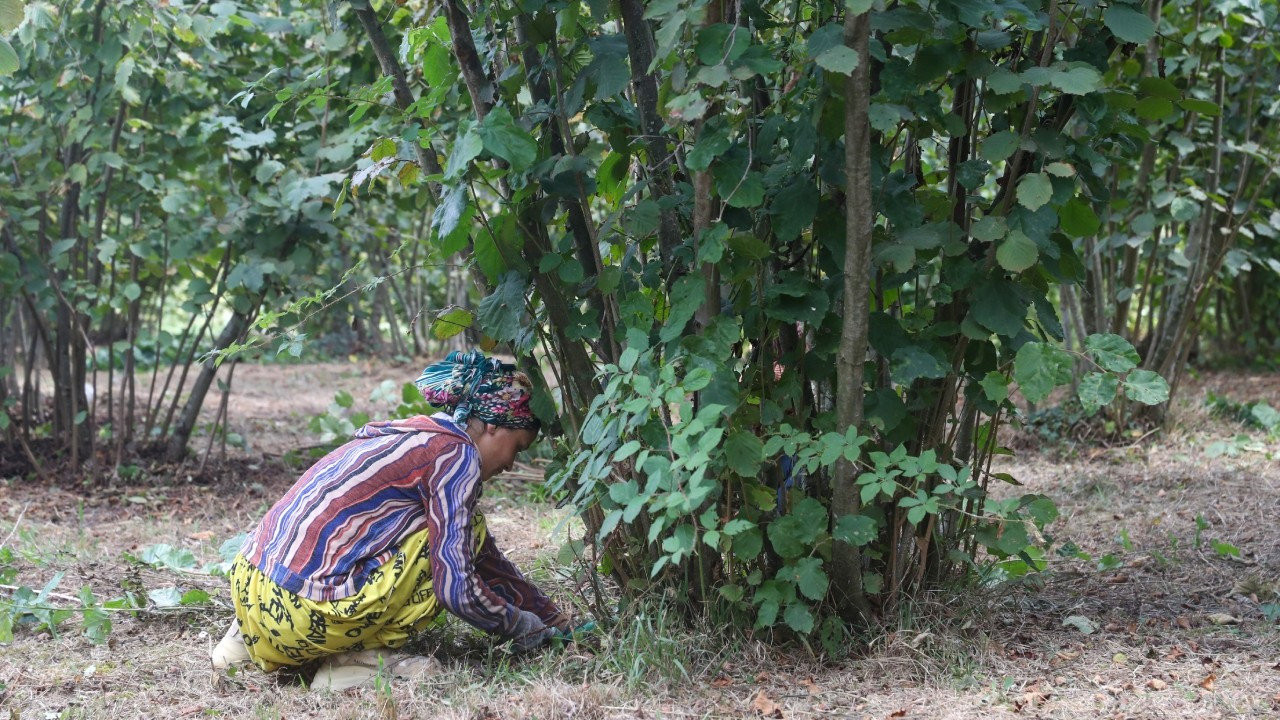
(976, 653)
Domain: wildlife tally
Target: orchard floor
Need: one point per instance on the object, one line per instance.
(1177, 621)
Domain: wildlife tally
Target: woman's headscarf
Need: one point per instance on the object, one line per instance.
(471, 385)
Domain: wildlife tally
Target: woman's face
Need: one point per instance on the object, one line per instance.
(498, 447)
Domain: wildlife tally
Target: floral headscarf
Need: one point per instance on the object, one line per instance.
(471, 385)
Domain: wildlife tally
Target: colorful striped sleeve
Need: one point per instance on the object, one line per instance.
(506, 579)
(452, 489)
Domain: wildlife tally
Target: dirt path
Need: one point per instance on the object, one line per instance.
(1177, 557)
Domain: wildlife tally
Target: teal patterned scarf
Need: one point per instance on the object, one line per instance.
(471, 385)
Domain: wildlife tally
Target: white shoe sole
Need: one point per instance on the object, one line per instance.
(356, 669)
(230, 650)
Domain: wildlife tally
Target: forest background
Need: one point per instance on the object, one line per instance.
(784, 272)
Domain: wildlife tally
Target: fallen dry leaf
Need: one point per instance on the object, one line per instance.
(1207, 683)
(1222, 619)
(1174, 654)
(721, 681)
(765, 706)
(897, 713)
(811, 686)
(204, 535)
(1157, 684)
(762, 676)
(1184, 623)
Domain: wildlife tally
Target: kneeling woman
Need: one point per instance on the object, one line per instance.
(380, 535)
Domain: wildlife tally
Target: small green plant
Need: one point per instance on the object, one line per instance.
(1257, 414)
(1234, 447)
(37, 609)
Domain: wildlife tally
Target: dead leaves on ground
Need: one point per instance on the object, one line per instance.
(765, 706)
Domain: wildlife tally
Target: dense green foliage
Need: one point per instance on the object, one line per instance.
(787, 266)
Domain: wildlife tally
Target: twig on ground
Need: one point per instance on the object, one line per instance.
(60, 596)
(16, 523)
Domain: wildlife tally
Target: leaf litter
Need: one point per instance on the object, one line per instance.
(1002, 651)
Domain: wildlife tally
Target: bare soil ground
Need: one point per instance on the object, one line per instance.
(1178, 626)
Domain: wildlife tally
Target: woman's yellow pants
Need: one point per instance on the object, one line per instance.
(396, 602)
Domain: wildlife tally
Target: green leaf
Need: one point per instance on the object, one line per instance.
(857, 7)
(989, 228)
(732, 593)
(1159, 87)
(1183, 209)
(382, 148)
(748, 544)
(194, 596)
(810, 578)
(856, 530)
(500, 135)
(1146, 387)
(343, 399)
(1096, 391)
(1080, 79)
(794, 208)
(11, 13)
(165, 597)
(1008, 538)
(995, 386)
(839, 59)
(1112, 352)
(1004, 82)
(712, 141)
(912, 362)
(1154, 108)
(686, 298)
(999, 307)
(1128, 23)
(8, 59)
(1017, 252)
(873, 583)
(793, 532)
(744, 451)
(1034, 190)
(436, 65)
(450, 322)
(799, 618)
(465, 149)
(96, 624)
(1204, 107)
(1078, 219)
(973, 173)
(1000, 145)
(448, 214)
(265, 172)
(501, 314)
(883, 116)
(6, 618)
(1038, 368)
(611, 74)
(166, 556)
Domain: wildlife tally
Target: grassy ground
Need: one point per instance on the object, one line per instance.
(1177, 619)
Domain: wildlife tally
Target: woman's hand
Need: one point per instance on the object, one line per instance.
(530, 632)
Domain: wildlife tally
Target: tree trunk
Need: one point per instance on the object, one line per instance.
(177, 446)
(859, 219)
(657, 145)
